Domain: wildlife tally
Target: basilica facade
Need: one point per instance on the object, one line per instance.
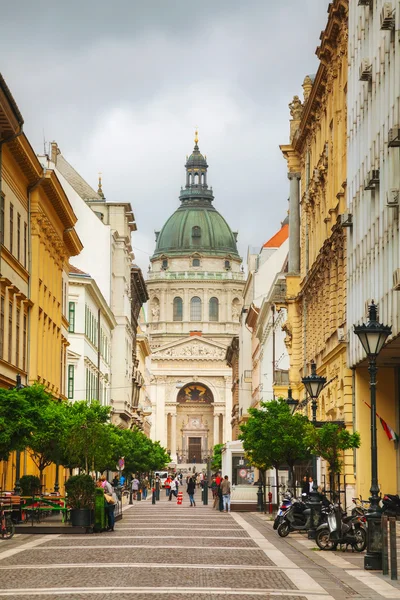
(195, 287)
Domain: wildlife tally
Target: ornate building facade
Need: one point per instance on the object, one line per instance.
(373, 259)
(195, 286)
(316, 281)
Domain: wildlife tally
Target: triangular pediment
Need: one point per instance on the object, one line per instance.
(190, 348)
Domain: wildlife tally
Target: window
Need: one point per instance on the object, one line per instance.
(213, 309)
(2, 327)
(25, 243)
(195, 309)
(196, 262)
(196, 231)
(2, 219)
(18, 237)
(164, 264)
(11, 228)
(178, 309)
(17, 331)
(71, 317)
(10, 328)
(227, 264)
(71, 375)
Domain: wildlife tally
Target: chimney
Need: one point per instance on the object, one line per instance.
(54, 152)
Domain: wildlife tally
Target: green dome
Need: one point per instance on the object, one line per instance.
(196, 229)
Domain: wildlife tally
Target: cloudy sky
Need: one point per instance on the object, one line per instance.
(121, 86)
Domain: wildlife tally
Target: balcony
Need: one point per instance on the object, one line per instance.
(196, 275)
(281, 377)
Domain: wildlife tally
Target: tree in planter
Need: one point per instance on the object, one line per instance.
(80, 491)
(216, 459)
(30, 485)
(329, 442)
(272, 437)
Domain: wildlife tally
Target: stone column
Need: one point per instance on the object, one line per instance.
(294, 223)
(216, 429)
(173, 436)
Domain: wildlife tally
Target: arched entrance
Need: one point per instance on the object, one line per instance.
(195, 417)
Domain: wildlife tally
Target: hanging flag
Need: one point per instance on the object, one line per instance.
(392, 435)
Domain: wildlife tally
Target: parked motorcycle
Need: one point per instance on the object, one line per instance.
(298, 517)
(391, 504)
(286, 502)
(342, 531)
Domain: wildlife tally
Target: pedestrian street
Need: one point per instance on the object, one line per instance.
(170, 551)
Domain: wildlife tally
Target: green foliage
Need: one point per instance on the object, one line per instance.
(80, 491)
(30, 484)
(329, 442)
(216, 460)
(140, 453)
(272, 436)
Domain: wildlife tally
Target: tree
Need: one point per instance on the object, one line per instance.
(140, 453)
(272, 437)
(19, 413)
(329, 442)
(45, 442)
(216, 460)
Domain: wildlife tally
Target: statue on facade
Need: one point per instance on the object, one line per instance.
(296, 108)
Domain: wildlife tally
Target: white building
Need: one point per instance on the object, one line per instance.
(195, 287)
(105, 229)
(373, 182)
(91, 323)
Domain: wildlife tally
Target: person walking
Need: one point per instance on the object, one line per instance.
(173, 491)
(191, 488)
(135, 487)
(144, 486)
(226, 494)
(305, 488)
(167, 486)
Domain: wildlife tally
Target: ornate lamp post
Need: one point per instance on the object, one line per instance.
(17, 486)
(372, 336)
(314, 384)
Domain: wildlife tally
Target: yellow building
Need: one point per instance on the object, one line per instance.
(316, 281)
(37, 240)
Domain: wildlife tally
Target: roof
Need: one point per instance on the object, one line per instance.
(75, 271)
(85, 191)
(277, 240)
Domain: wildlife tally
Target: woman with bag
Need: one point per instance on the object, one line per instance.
(191, 488)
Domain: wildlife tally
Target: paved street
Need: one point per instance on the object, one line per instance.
(172, 551)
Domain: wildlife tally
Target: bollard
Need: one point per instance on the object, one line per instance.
(205, 493)
(157, 490)
(153, 496)
(260, 503)
(385, 545)
(139, 495)
(270, 502)
(393, 548)
(385, 549)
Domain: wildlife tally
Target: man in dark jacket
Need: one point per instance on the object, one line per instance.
(191, 488)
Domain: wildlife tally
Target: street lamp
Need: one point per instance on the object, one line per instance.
(372, 336)
(314, 384)
(291, 402)
(17, 486)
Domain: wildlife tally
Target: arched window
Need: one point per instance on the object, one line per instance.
(164, 264)
(213, 309)
(196, 262)
(227, 265)
(196, 179)
(195, 309)
(196, 231)
(178, 309)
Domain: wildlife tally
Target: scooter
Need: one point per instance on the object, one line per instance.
(299, 517)
(391, 504)
(342, 531)
(286, 503)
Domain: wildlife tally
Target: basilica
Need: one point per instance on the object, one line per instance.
(195, 286)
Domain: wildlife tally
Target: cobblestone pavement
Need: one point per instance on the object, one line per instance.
(175, 552)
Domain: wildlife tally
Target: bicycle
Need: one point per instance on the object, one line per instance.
(7, 526)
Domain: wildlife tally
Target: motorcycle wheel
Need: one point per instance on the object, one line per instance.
(323, 540)
(276, 522)
(361, 537)
(284, 529)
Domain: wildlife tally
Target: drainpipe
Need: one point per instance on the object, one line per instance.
(305, 335)
(353, 405)
(273, 350)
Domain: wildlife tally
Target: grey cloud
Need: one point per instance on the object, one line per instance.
(121, 86)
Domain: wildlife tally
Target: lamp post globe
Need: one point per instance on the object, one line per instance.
(373, 336)
(291, 402)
